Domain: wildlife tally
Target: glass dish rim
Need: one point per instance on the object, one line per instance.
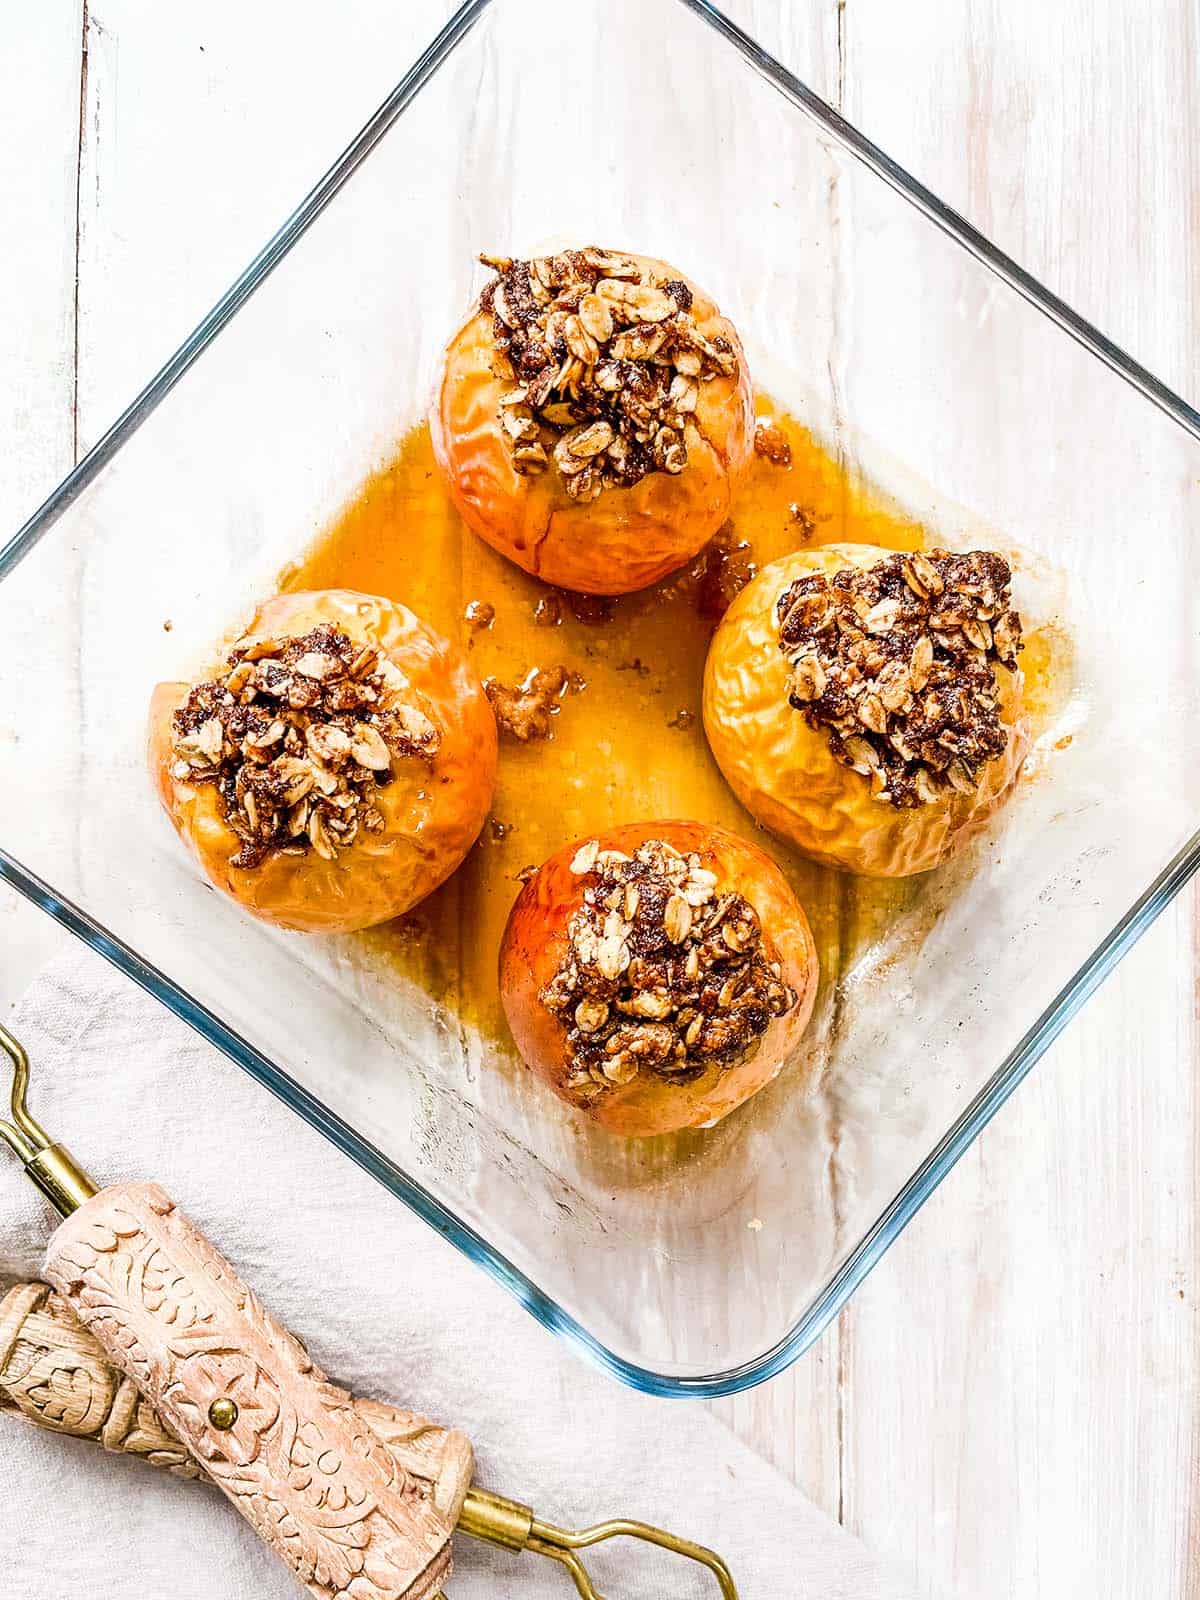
(975, 1117)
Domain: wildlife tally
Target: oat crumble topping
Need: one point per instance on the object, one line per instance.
(299, 734)
(663, 973)
(604, 363)
(897, 662)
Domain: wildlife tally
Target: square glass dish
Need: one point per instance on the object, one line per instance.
(929, 379)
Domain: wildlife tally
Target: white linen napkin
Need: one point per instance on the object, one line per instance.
(136, 1094)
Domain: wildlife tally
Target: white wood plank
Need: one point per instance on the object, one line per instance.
(39, 143)
(202, 131)
(1019, 1387)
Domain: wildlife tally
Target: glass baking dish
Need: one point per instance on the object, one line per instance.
(938, 378)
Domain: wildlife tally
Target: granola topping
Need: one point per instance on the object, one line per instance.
(298, 734)
(603, 362)
(664, 973)
(897, 662)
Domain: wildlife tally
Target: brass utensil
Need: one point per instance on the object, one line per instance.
(144, 1340)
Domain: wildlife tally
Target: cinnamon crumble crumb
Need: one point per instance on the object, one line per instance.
(771, 441)
(805, 520)
(590, 608)
(721, 571)
(524, 712)
(548, 611)
(479, 615)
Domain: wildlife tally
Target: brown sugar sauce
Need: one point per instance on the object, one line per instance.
(626, 739)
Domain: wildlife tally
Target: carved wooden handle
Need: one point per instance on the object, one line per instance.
(53, 1373)
(359, 1500)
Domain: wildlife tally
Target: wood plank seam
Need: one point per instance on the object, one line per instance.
(83, 97)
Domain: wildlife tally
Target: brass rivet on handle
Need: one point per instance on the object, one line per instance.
(223, 1413)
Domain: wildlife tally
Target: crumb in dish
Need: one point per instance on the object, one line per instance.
(524, 710)
(771, 442)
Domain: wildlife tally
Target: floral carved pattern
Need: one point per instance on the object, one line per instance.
(55, 1375)
(359, 1500)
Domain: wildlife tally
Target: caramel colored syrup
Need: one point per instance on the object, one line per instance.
(627, 739)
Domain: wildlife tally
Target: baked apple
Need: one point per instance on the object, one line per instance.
(334, 767)
(658, 975)
(867, 705)
(592, 417)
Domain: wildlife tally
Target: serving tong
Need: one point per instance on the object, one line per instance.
(143, 1339)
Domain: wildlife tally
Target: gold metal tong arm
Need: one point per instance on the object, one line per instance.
(514, 1526)
(52, 1168)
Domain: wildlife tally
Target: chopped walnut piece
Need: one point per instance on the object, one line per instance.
(604, 362)
(663, 972)
(771, 441)
(299, 735)
(897, 662)
(524, 712)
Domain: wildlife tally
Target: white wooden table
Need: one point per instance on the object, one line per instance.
(1009, 1406)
